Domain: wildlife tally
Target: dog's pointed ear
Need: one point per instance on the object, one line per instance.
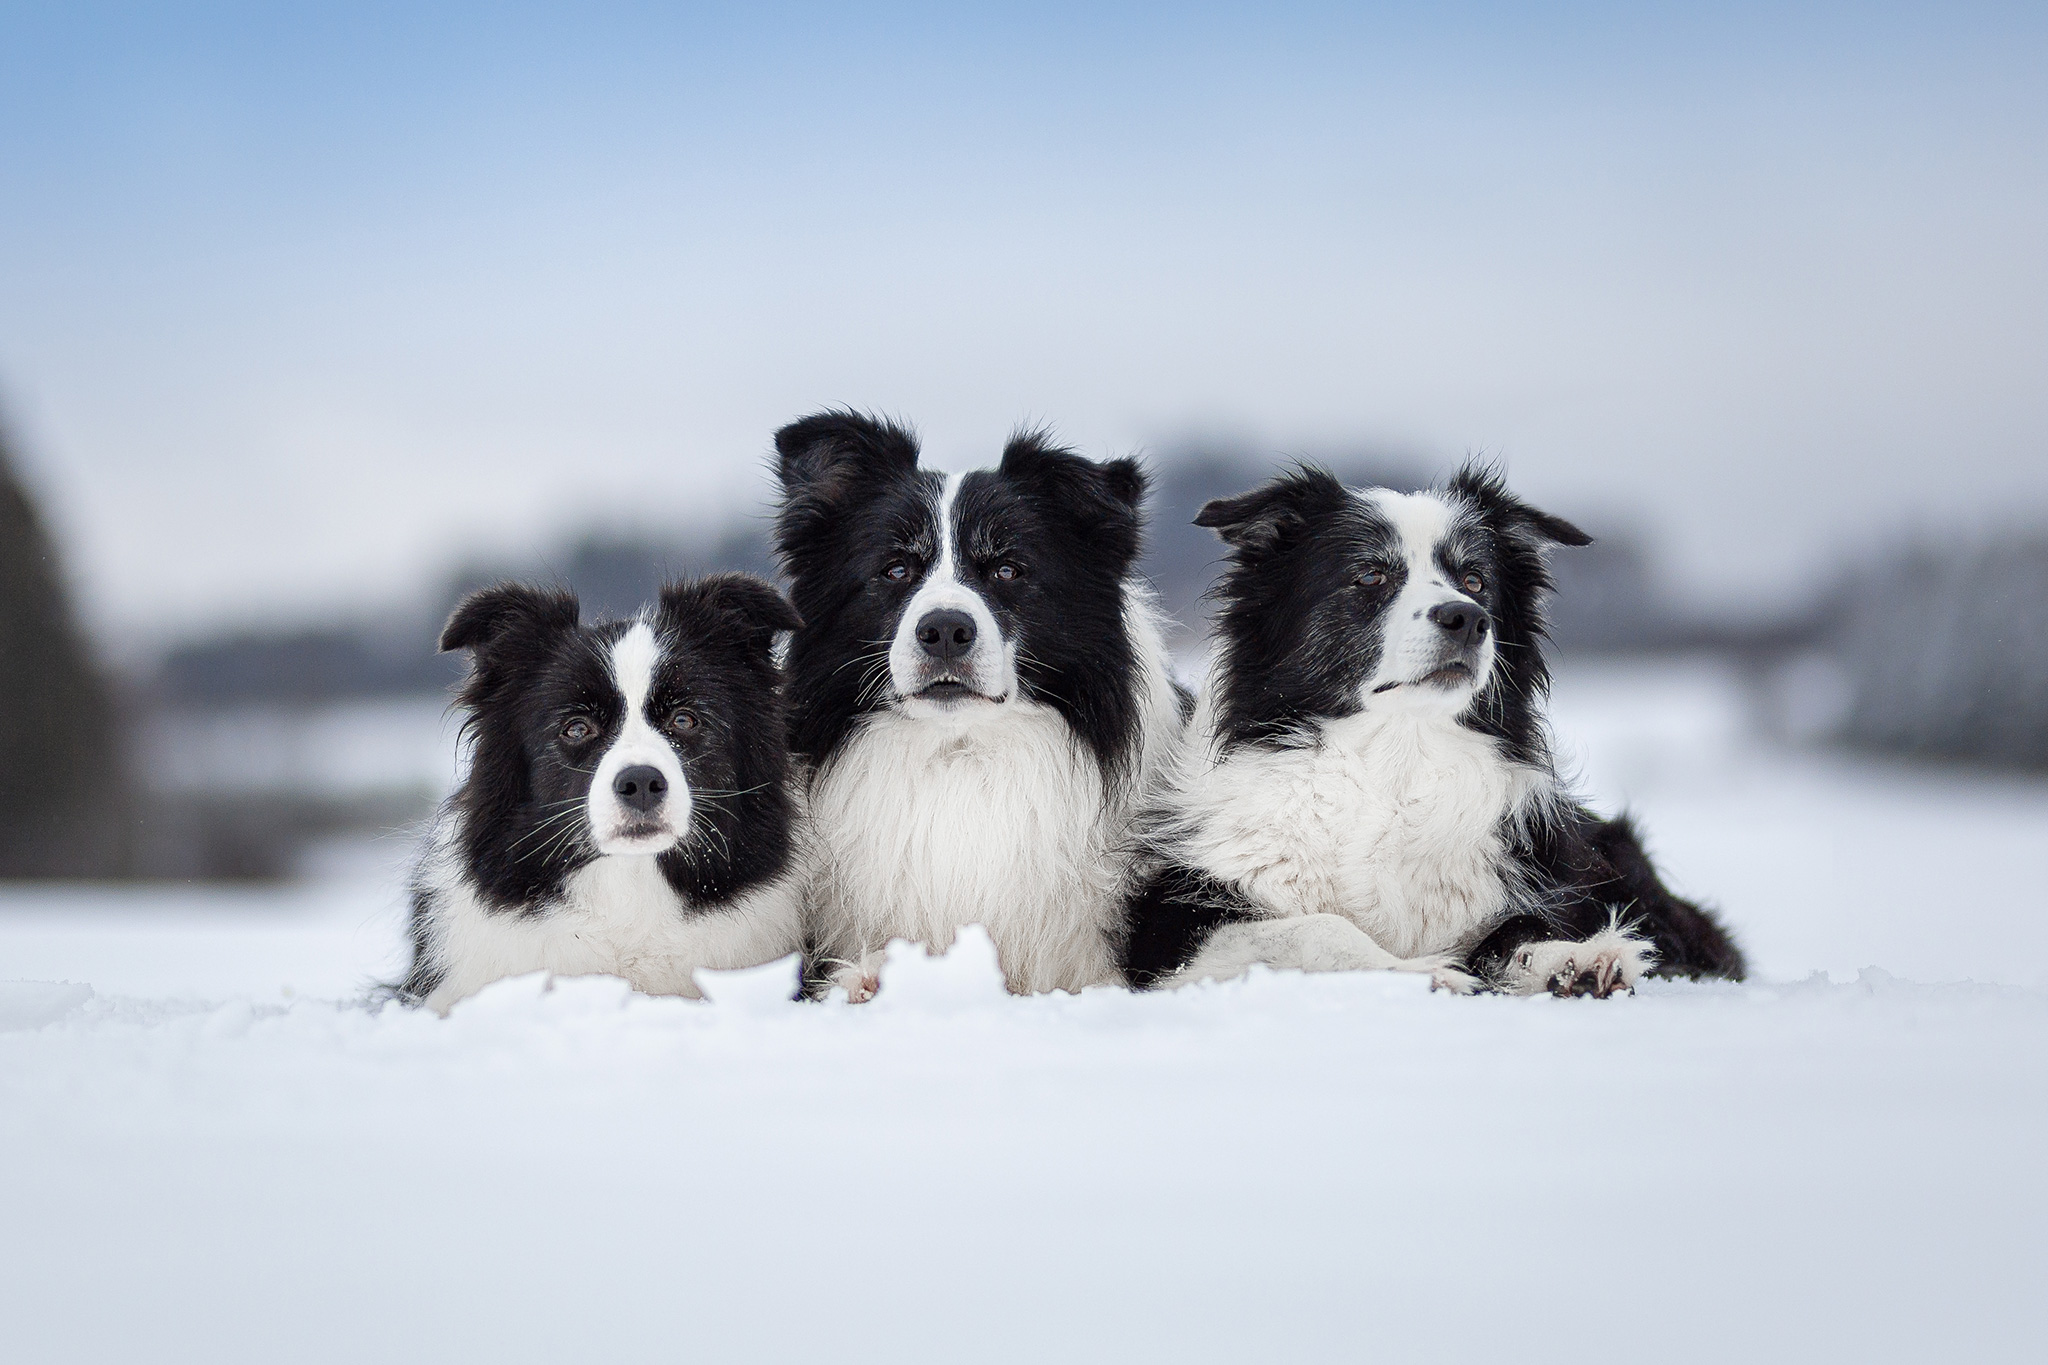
(753, 608)
(1102, 500)
(1485, 485)
(489, 617)
(820, 455)
(1264, 519)
(1558, 529)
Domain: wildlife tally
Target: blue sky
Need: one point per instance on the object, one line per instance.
(298, 307)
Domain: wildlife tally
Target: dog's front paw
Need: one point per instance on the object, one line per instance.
(1609, 963)
(860, 980)
(1446, 975)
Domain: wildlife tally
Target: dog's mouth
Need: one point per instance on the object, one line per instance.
(1455, 674)
(953, 690)
(639, 836)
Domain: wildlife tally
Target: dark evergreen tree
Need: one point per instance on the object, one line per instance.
(65, 799)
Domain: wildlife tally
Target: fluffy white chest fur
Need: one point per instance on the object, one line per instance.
(617, 916)
(924, 825)
(1393, 822)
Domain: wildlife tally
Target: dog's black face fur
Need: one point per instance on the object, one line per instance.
(547, 707)
(1034, 553)
(1326, 587)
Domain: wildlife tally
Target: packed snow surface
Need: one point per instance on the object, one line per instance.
(216, 1152)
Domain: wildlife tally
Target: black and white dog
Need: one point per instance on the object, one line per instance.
(980, 691)
(1368, 781)
(627, 808)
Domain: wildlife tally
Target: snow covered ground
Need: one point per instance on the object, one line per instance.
(212, 1153)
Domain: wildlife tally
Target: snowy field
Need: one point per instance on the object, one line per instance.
(214, 1153)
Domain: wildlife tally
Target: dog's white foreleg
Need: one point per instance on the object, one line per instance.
(1309, 943)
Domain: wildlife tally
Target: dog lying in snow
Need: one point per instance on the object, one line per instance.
(979, 691)
(627, 808)
(1368, 782)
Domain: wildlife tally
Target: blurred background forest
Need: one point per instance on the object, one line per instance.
(309, 323)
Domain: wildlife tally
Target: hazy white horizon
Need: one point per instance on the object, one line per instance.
(295, 313)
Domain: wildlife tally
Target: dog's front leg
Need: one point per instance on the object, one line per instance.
(1310, 943)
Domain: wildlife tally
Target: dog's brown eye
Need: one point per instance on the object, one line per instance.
(897, 571)
(683, 720)
(1373, 578)
(1474, 584)
(577, 730)
(1006, 571)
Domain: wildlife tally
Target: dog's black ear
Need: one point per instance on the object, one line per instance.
(1033, 461)
(1125, 481)
(1485, 485)
(490, 616)
(1263, 519)
(740, 602)
(1102, 500)
(821, 454)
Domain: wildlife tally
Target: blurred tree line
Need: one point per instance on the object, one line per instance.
(1945, 649)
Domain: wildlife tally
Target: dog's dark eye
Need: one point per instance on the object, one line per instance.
(1373, 578)
(897, 571)
(577, 730)
(1006, 571)
(682, 721)
(1474, 584)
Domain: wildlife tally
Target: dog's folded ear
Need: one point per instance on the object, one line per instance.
(1032, 460)
(1264, 519)
(1101, 499)
(491, 616)
(1485, 485)
(821, 455)
(822, 461)
(739, 602)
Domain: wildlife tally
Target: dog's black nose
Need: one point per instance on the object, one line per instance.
(640, 788)
(1465, 622)
(946, 634)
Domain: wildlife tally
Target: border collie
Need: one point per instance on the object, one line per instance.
(1368, 781)
(980, 691)
(627, 808)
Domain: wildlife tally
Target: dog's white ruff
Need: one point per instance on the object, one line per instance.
(617, 916)
(1391, 820)
(985, 814)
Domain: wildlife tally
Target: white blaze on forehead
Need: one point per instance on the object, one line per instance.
(1410, 643)
(1420, 522)
(635, 655)
(988, 667)
(949, 493)
(635, 660)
